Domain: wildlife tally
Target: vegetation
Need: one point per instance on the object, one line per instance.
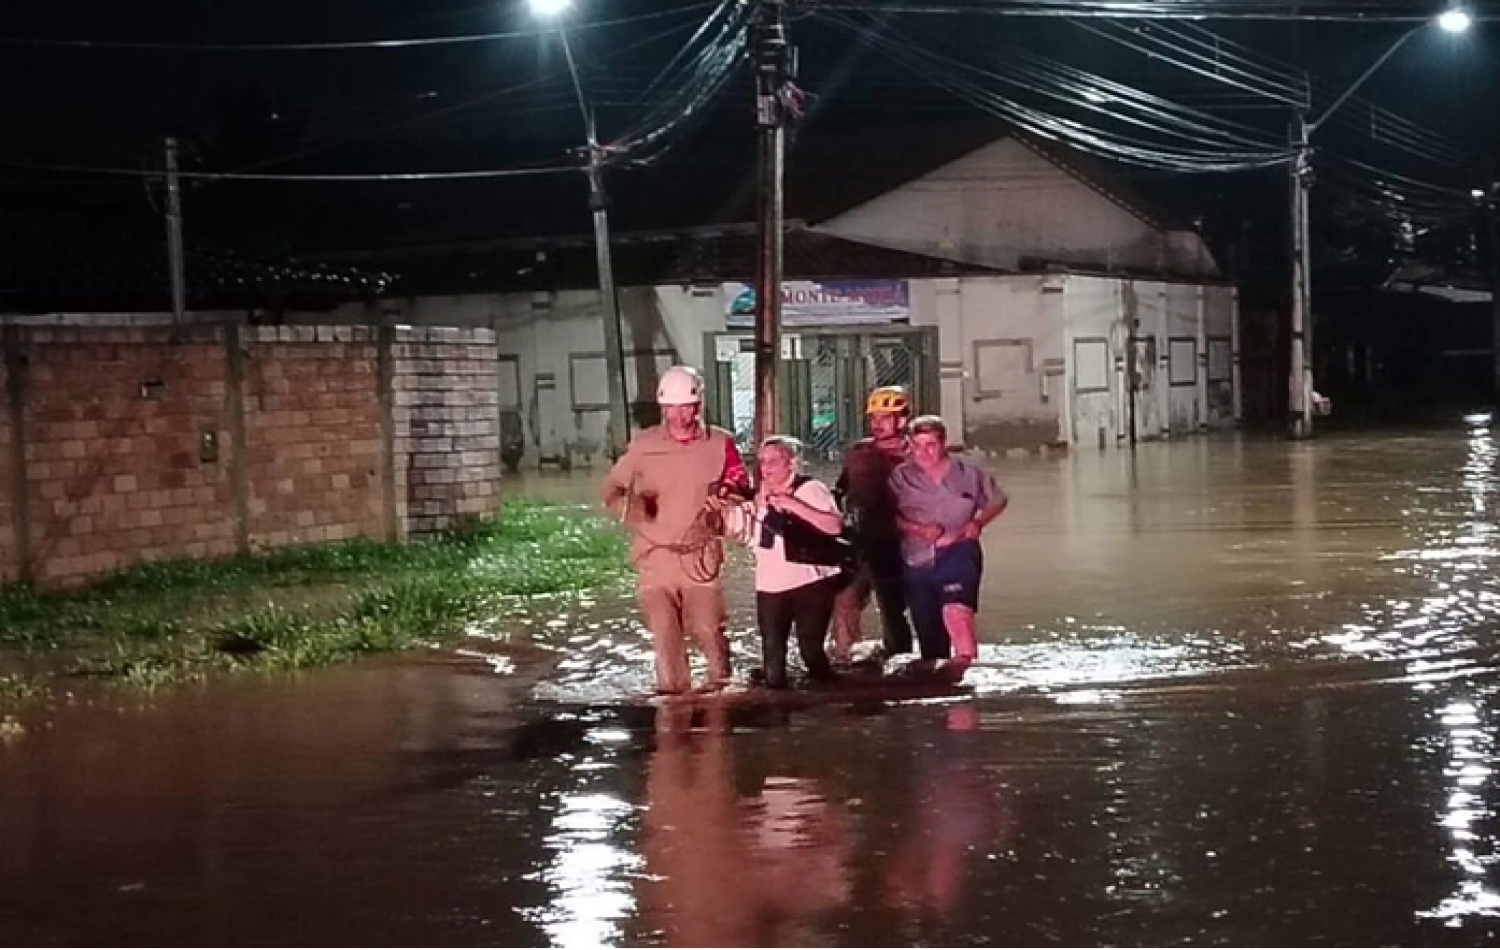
(305, 606)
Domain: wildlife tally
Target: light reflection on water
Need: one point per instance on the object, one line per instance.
(1473, 854)
(1233, 693)
(588, 872)
(1408, 600)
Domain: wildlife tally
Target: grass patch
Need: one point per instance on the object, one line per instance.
(18, 688)
(292, 608)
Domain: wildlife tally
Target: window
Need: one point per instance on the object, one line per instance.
(1091, 365)
(1182, 361)
(1220, 359)
(1002, 366)
(589, 380)
(508, 369)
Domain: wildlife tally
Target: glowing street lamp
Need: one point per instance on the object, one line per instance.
(1454, 20)
(550, 8)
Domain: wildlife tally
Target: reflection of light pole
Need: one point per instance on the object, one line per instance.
(1489, 205)
(1454, 20)
(618, 431)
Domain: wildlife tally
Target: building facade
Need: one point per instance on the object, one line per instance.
(1025, 300)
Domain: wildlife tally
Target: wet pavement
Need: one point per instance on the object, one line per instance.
(1230, 692)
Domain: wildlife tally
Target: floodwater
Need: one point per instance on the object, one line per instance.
(1230, 692)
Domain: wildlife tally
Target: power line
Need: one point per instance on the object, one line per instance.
(1348, 11)
(345, 45)
(696, 85)
(257, 176)
(332, 140)
(1238, 73)
(1207, 149)
(478, 174)
(1204, 53)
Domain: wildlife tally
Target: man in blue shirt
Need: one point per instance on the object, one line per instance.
(943, 503)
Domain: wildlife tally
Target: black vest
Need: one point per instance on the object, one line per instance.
(804, 543)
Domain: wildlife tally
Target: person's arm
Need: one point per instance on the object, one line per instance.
(738, 519)
(619, 483)
(991, 506)
(817, 509)
(982, 518)
(734, 467)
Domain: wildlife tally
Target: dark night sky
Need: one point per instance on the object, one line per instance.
(508, 103)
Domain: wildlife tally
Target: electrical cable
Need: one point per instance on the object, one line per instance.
(345, 45)
(1209, 155)
(1357, 11)
(485, 173)
(695, 85)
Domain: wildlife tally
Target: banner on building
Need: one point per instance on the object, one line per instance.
(813, 302)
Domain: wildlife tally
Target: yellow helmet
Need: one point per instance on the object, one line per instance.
(888, 399)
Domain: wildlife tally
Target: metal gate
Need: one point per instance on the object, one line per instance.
(823, 377)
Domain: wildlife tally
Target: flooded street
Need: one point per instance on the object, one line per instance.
(1229, 692)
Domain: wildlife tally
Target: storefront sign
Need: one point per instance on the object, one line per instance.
(823, 302)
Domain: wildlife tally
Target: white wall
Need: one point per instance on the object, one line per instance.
(939, 303)
(1189, 385)
(1004, 202)
(1145, 301)
(1221, 316)
(1184, 351)
(563, 334)
(1011, 332)
(1008, 358)
(1095, 341)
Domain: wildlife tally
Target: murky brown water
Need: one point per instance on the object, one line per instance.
(1231, 693)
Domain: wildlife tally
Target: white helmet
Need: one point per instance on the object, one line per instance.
(680, 386)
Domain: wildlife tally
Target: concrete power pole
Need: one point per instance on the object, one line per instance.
(174, 236)
(617, 434)
(1299, 369)
(771, 55)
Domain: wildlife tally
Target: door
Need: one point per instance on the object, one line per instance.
(823, 379)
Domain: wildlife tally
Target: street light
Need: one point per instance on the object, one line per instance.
(618, 431)
(1300, 383)
(1455, 20)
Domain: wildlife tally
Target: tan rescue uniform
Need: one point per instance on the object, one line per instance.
(676, 600)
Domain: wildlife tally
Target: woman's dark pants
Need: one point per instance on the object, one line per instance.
(807, 609)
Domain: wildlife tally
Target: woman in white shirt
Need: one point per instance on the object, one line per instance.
(793, 526)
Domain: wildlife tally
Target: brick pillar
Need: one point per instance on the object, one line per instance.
(391, 493)
(20, 493)
(445, 388)
(234, 411)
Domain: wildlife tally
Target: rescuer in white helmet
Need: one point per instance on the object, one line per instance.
(661, 488)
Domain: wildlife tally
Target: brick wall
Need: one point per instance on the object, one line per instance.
(312, 434)
(113, 421)
(8, 556)
(144, 443)
(447, 419)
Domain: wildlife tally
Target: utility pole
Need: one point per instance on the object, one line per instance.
(771, 75)
(1299, 368)
(1299, 372)
(618, 431)
(174, 236)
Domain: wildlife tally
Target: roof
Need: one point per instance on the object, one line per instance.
(1455, 285)
(124, 267)
(696, 255)
(834, 176)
